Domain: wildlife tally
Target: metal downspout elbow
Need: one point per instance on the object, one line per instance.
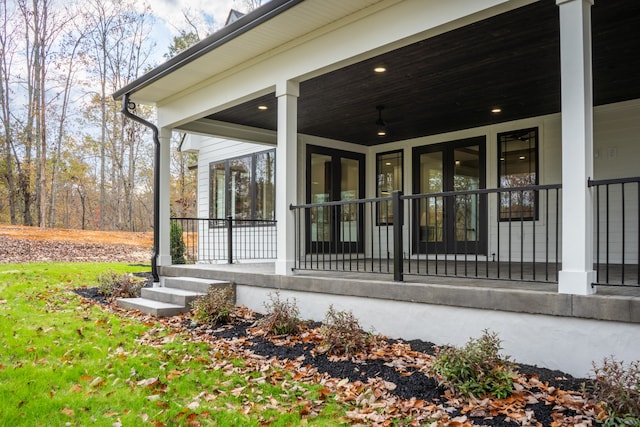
(127, 108)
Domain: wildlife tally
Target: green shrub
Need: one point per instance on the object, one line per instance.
(618, 388)
(215, 307)
(342, 335)
(282, 318)
(115, 285)
(178, 247)
(477, 369)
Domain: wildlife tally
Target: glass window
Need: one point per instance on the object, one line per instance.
(265, 185)
(243, 188)
(518, 167)
(218, 190)
(240, 188)
(389, 178)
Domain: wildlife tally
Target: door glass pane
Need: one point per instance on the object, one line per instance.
(320, 193)
(349, 184)
(431, 209)
(389, 179)
(466, 176)
(240, 187)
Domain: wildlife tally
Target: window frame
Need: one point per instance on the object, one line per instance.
(379, 159)
(252, 186)
(518, 215)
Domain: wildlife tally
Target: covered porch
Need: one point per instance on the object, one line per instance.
(414, 138)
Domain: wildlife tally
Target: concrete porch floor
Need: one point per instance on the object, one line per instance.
(613, 303)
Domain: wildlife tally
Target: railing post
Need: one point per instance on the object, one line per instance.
(398, 219)
(230, 239)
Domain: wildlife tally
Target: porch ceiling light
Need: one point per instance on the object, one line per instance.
(262, 107)
(380, 69)
(381, 125)
(496, 110)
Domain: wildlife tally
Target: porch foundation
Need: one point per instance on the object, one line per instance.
(537, 324)
(562, 343)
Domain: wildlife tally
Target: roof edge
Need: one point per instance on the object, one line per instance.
(226, 34)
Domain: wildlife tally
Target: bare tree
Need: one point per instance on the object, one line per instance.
(8, 46)
(119, 42)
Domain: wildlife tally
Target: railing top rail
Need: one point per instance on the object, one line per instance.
(341, 202)
(484, 191)
(221, 219)
(594, 183)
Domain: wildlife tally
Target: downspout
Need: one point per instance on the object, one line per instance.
(126, 107)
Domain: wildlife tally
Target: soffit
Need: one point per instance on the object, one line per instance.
(451, 81)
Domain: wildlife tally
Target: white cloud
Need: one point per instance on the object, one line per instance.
(207, 14)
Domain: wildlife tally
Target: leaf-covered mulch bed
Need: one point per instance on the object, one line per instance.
(389, 383)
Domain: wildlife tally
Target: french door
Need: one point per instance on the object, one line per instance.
(334, 175)
(444, 223)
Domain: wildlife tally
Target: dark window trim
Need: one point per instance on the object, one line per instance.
(536, 208)
(378, 155)
(447, 149)
(252, 185)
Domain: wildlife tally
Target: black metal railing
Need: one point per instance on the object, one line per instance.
(498, 233)
(330, 236)
(447, 234)
(617, 231)
(210, 240)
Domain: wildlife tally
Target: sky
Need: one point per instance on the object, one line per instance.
(213, 13)
(208, 15)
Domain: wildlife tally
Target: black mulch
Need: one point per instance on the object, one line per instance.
(418, 386)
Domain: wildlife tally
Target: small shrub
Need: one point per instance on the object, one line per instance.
(282, 318)
(342, 335)
(216, 307)
(477, 369)
(618, 388)
(177, 246)
(115, 285)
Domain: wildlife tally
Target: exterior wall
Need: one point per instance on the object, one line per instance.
(617, 152)
(566, 343)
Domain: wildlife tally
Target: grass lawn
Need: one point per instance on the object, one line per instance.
(65, 362)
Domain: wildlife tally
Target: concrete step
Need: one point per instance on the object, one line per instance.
(155, 308)
(176, 296)
(193, 283)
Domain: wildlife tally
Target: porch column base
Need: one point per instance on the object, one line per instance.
(163, 259)
(576, 282)
(284, 268)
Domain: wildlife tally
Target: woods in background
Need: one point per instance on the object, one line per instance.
(68, 157)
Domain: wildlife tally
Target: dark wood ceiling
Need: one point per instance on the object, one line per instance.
(452, 81)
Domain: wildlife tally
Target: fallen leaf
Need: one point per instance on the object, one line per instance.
(68, 412)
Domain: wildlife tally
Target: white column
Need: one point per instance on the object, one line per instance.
(286, 173)
(577, 147)
(164, 252)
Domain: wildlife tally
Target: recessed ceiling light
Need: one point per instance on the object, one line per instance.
(388, 164)
(380, 69)
(262, 107)
(496, 110)
(522, 157)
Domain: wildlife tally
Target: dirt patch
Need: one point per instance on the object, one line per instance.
(19, 244)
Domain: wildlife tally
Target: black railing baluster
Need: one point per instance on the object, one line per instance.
(623, 231)
(607, 227)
